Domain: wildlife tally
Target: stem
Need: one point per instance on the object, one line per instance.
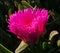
(21, 47)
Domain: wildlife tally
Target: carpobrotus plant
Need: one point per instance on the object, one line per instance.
(29, 24)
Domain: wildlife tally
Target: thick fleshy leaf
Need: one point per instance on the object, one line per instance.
(27, 5)
(58, 43)
(45, 45)
(53, 33)
(4, 49)
(20, 7)
(10, 11)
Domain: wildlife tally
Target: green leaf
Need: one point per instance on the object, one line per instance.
(58, 43)
(4, 49)
(46, 47)
(25, 4)
(10, 11)
(20, 7)
(6, 39)
(15, 3)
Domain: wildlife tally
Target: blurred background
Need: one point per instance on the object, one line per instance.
(10, 41)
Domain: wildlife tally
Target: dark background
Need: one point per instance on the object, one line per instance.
(11, 42)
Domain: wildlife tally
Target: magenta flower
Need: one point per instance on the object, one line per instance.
(28, 24)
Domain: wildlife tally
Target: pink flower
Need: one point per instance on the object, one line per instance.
(28, 24)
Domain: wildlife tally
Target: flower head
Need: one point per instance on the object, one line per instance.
(28, 24)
